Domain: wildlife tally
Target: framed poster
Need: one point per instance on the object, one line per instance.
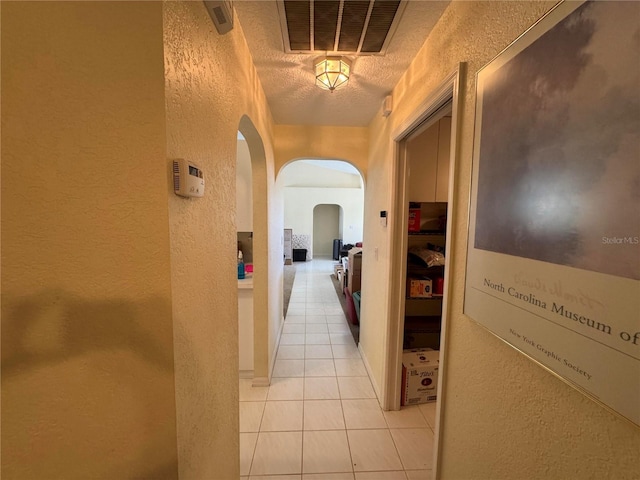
(554, 236)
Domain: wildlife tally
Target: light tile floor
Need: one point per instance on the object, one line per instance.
(320, 419)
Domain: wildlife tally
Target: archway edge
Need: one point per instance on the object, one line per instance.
(262, 339)
(293, 160)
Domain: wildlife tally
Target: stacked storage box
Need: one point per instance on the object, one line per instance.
(355, 270)
(419, 376)
(339, 273)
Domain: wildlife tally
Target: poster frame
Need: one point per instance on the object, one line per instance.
(498, 327)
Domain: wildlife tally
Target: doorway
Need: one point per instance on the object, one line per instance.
(305, 184)
(326, 228)
(261, 321)
(445, 99)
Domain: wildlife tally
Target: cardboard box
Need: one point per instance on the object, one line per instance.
(420, 287)
(342, 279)
(419, 376)
(355, 260)
(355, 283)
(336, 268)
(354, 270)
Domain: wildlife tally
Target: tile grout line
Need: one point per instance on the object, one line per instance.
(335, 375)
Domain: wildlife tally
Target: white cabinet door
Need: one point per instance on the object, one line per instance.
(428, 160)
(444, 152)
(422, 156)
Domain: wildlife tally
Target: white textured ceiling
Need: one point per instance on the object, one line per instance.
(288, 80)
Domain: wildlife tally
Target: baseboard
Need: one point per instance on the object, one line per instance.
(266, 381)
(260, 382)
(376, 389)
(246, 373)
(272, 360)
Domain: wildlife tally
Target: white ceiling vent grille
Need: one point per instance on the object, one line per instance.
(362, 27)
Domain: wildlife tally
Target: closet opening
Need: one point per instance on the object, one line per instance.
(423, 209)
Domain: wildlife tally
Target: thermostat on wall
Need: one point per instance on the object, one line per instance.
(188, 179)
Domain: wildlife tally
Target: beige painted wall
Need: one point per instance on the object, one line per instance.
(377, 198)
(87, 346)
(204, 110)
(304, 174)
(306, 185)
(504, 416)
(326, 219)
(299, 212)
(293, 142)
(244, 188)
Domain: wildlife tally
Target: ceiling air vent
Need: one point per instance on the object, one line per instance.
(339, 26)
(298, 25)
(354, 17)
(380, 21)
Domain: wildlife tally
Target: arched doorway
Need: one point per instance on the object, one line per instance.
(327, 227)
(258, 323)
(306, 183)
(303, 184)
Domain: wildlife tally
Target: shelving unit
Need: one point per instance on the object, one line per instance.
(423, 316)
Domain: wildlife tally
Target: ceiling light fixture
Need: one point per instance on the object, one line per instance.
(332, 72)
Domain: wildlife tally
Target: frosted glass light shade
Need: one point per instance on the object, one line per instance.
(332, 72)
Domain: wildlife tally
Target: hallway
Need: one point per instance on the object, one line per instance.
(320, 418)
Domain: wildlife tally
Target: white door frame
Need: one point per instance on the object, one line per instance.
(448, 91)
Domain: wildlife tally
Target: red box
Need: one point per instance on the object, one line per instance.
(414, 219)
(351, 307)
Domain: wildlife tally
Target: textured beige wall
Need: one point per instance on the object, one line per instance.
(504, 416)
(300, 214)
(376, 283)
(210, 84)
(294, 142)
(87, 349)
(244, 188)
